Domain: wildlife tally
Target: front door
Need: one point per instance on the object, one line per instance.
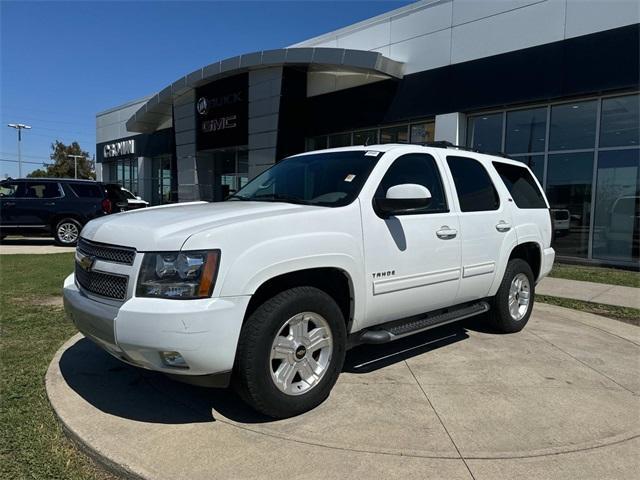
(413, 260)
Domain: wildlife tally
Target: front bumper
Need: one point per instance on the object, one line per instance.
(205, 332)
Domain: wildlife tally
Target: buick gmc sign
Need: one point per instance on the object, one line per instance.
(118, 149)
(222, 113)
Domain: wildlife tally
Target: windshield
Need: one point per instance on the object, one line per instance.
(331, 179)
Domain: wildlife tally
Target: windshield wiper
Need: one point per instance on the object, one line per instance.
(282, 197)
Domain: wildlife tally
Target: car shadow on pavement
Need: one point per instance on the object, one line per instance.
(136, 394)
(28, 241)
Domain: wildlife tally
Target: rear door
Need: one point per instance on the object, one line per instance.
(486, 228)
(38, 203)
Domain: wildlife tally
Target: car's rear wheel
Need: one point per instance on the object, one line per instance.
(67, 232)
(290, 352)
(513, 303)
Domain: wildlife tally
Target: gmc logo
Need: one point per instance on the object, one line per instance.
(220, 123)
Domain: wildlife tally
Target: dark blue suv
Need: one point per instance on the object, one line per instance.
(50, 206)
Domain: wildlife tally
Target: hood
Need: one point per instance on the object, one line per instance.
(167, 227)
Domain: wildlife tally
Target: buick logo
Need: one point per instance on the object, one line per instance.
(202, 106)
(85, 261)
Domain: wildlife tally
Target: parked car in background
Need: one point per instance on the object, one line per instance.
(561, 219)
(624, 223)
(122, 199)
(50, 206)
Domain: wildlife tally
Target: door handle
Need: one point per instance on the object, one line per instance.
(49, 204)
(446, 233)
(503, 226)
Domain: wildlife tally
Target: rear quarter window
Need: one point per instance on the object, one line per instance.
(521, 185)
(87, 190)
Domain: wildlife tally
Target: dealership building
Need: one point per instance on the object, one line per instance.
(552, 83)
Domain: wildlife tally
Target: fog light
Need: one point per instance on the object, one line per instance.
(173, 359)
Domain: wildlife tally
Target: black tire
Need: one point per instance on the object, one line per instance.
(66, 240)
(500, 315)
(252, 376)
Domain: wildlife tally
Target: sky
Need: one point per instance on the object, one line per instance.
(62, 62)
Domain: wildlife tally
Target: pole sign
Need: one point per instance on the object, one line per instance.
(222, 113)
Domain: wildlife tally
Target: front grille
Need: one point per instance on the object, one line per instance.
(103, 284)
(109, 253)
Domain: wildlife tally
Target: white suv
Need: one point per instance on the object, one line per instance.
(324, 251)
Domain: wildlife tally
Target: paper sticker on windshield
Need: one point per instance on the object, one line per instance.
(349, 177)
(371, 153)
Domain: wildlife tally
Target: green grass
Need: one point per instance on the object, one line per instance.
(32, 328)
(610, 276)
(624, 314)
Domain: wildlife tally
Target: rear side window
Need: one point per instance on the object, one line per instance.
(87, 190)
(476, 192)
(521, 185)
(9, 189)
(42, 190)
(420, 169)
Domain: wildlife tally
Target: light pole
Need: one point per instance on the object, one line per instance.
(19, 127)
(75, 167)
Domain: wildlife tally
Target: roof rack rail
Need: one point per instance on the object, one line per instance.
(445, 144)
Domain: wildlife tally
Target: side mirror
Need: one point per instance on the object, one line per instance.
(403, 199)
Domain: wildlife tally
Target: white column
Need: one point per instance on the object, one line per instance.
(451, 127)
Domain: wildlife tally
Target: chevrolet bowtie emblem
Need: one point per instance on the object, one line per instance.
(85, 261)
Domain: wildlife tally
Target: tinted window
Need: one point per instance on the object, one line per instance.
(42, 190)
(330, 179)
(526, 130)
(573, 126)
(620, 121)
(475, 189)
(8, 189)
(521, 185)
(420, 169)
(87, 190)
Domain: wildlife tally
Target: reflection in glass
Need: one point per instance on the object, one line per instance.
(620, 125)
(316, 143)
(616, 234)
(485, 133)
(398, 134)
(573, 126)
(365, 137)
(526, 130)
(535, 163)
(339, 140)
(569, 180)
(422, 132)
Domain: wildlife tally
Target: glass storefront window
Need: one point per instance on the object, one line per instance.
(339, 140)
(365, 137)
(616, 233)
(569, 180)
(620, 125)
(573, 126)
(316, 143)
(398, 134)
(536, 164)
(422, 132)
(485, 133)
(526, 130)
(125, 173)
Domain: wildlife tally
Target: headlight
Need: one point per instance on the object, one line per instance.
(180, 275)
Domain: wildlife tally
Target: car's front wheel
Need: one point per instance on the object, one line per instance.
(290, 352)
(67, 232)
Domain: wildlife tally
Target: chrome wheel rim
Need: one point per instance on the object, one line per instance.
(519, 296)
(301, 353)
(68, 232)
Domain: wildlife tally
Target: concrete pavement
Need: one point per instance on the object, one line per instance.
(590, 292)
(559, 400)
(31, 246)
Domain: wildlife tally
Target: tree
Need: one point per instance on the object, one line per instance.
(64, 166)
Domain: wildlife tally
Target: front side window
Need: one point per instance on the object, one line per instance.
(420, 169)
(521, 185)
(475, 189)
(331, 179)
(42, 190)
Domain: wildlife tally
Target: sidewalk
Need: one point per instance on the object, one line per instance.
(590, 292)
